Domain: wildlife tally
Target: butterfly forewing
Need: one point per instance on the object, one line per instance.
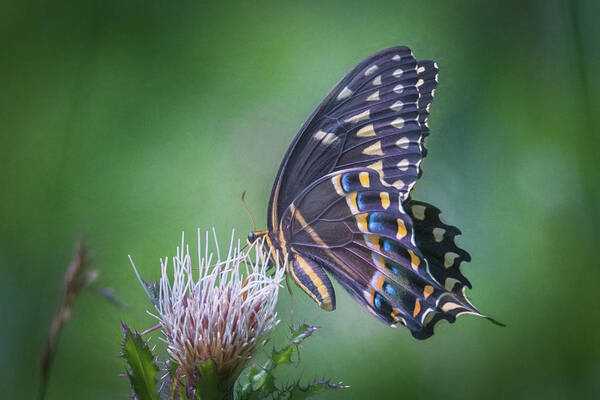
(375, 117)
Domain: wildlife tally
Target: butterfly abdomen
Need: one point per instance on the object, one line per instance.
(314, 281)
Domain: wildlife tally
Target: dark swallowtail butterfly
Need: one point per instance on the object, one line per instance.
(341, 202)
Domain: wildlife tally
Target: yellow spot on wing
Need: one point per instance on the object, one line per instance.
(373, 240)
(414, 259)
(438, 234)
(403, 143)
(325, 138)
(397, 106)
(385, 199)
(374, 96)
(371, 69)
(399, 184)
(449, 258)
(359, 117)
(351, 200)
(417, 308)
(377, 166)
(401, 229)
(403, 165)
(378, 260)
(366, 131)
(427, 291)
(398, 123)
(364, 179)
(344, 93)
(418, 212)
(450, 306)
(337, 185)
(374, 149)
(361, 221)
(449, 283)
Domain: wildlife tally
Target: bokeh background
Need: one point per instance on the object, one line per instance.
(129, 122)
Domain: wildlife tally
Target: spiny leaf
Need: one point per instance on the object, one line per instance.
(302, 332)
(141, 368)
(283, 356)
(168, 381)
(299, 334)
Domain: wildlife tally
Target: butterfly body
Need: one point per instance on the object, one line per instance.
(341, 205)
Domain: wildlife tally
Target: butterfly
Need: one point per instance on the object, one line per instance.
(341, 202)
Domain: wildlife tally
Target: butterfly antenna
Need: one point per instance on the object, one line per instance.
(248, 211)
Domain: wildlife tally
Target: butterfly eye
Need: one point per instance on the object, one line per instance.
(251, 237)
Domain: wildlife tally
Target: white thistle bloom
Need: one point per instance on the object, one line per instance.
(219, 309)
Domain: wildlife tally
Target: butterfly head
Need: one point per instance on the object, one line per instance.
(271, 246)
(254, 236)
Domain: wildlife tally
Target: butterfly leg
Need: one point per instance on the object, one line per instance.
(314, 281)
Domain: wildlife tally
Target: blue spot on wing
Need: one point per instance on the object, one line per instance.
(389, 246)
(347, 182)
(389, 289)
(361, 201)
(377, 301)
(376, 222)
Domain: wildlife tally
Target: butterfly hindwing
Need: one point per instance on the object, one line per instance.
(375, 117)
(356, 228)
(437, 242)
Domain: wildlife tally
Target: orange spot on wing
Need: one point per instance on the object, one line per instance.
(414, 260)
(417, 308)
(380, 282)
(401, 229)
(427, 291)
(374, 240)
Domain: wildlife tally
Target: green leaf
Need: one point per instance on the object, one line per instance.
(283, 356)
(261, 379)
(141, 368)
(302, 332)
(207, 384)
(299, 334)
(297, 392)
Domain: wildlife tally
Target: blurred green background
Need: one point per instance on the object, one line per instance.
(131, 121)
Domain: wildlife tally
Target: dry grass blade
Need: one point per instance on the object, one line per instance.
(76, 278)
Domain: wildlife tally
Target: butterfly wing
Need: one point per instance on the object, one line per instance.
(375, 117)
(355, 227)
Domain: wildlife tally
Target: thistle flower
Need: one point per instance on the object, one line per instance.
(223, 310)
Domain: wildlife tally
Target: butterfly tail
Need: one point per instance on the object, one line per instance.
(437, 242)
